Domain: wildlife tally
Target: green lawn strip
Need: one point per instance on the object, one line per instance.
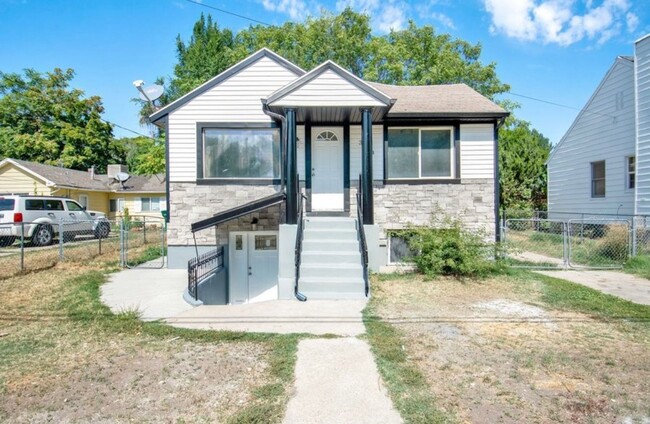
(407, 386)
(638, 265)
(565, 295)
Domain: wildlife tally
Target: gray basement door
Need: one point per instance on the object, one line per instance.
(253, 266)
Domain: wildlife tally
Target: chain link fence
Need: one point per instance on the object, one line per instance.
(562, 240)
(33, 246)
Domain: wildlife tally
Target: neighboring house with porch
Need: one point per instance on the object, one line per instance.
(245, 147)
(602, 164)
(142, 195)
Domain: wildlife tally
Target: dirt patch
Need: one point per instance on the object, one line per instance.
(181, 381)
(492, 352)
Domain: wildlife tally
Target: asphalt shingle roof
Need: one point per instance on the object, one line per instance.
(81, 179)
(438, 100)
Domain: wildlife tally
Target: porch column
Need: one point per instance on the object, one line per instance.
(291, 168)
(366, 166)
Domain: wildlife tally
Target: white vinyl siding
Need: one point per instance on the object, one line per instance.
(477, 151)
(603, 131)
(642, 64)
(328, 89)
(377, 152)
(237, 99)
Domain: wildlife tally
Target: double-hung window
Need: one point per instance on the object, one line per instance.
(420, 153)
(598, 179)
(240, 153)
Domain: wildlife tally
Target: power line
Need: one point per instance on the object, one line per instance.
(558, 104)
(127, 129)
(228, 12)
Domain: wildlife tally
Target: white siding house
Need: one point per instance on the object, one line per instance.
(247, 147)
(642, 85)
(602, 164)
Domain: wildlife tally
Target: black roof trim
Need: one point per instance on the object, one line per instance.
(239, 211)
(329, 65)
(264, 52)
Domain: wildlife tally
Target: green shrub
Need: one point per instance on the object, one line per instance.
(614, 243)
(452, 250)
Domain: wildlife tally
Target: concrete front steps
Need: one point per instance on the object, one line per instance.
(330, 259)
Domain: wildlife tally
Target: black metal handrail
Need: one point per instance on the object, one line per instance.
(298, 246)
(200, 267)
(363, 246)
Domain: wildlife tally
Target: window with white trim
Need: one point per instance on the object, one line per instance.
(420, 153)
(83, 200)
(598, 179)
(630, 179)
(116, 205)
(150, 204)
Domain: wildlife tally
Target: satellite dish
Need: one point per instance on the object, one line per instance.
(151, 92)
(122, 176)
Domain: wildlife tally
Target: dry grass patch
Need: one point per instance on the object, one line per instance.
(499, 350)
(64, 357)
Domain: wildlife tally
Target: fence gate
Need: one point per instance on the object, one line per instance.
(536, 243)
(143, 242)
(598, 243)
(574, 243)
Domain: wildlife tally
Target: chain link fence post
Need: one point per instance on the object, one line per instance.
(634, 237)
(565, 246)
(61, 232)
(144, 229)
(22, 247)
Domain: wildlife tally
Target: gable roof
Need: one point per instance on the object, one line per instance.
(451, 100)
(71, 178)
(337, 69)
(622, 60)
(264, 52)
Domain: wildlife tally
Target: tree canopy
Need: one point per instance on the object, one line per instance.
(412, 56)
(523, 152)
(43, 120)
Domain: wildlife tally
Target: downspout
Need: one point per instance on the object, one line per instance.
(497, 187)
(284, 141)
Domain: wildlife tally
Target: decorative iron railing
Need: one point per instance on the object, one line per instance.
(199, 268)
(363, 246)
(298, 246)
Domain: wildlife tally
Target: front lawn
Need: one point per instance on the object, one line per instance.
(64, 357)
(519, 347)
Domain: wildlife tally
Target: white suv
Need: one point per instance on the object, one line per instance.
(41, 215)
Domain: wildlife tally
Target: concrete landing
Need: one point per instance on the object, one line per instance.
(626, 286)
(340, 317)
(156, 293)
(337, 382)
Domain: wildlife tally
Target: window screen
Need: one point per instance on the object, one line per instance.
(403, 153)
(598, 179)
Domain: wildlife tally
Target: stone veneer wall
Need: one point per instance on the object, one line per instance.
(191, 203)
(398, 205)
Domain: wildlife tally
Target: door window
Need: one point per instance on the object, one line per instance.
(73, 206)
(268, 242)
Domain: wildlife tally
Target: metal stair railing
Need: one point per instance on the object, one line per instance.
(363, 246)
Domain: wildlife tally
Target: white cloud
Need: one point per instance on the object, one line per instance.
(360, 5)
(296, 9)
(557, 21)
(443, 19)
(391, 16)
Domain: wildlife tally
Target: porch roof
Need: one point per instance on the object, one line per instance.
(329, 93)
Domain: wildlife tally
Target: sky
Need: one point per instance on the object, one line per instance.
(553, 53)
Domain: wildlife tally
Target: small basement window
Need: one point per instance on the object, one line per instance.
(598, 179)
(398, 249)
(631, 173)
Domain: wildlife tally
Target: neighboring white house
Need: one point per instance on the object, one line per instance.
(244, 146)
(602, 164)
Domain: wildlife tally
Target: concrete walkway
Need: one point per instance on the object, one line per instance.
(339, 317)
(626, 286)
(337, 382)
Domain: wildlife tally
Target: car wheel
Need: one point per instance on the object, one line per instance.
(43, 235)
(7, 241)
(102, 230)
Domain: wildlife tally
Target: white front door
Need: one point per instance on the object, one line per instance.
(327, 169)
(253, 266)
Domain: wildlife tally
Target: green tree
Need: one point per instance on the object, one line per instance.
(143, 155)
(523, 152)
(43, 120)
